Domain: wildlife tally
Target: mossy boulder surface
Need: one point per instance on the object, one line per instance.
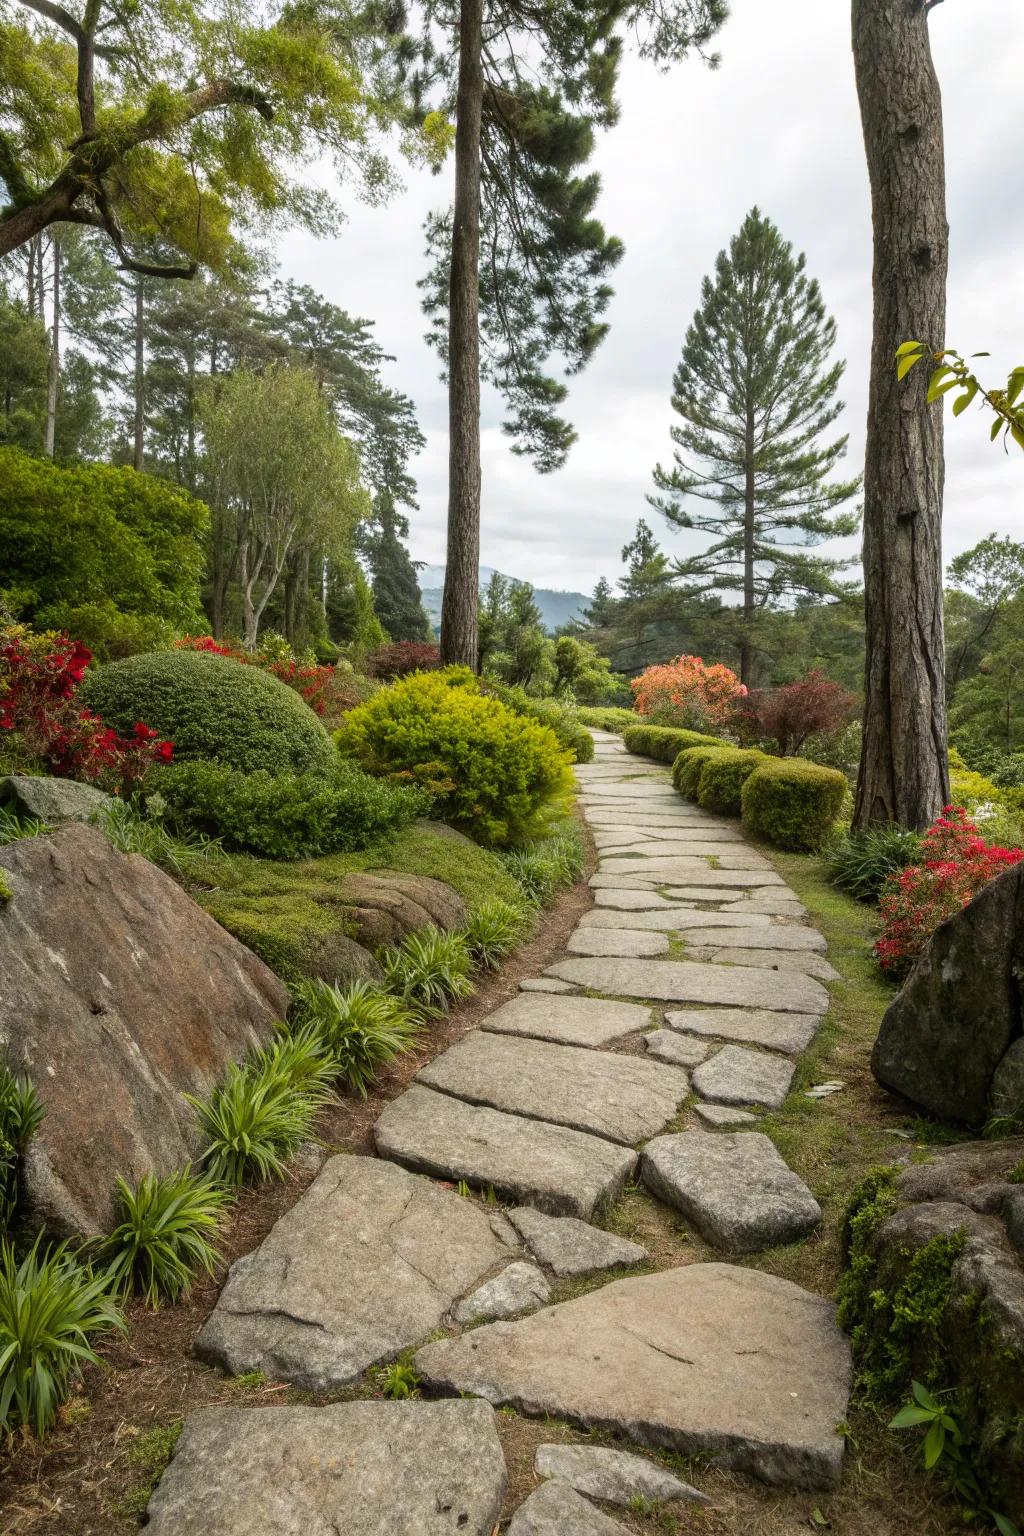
(211, 708)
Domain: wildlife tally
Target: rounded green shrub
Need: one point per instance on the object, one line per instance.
(792, 803)
(722, 777)
(561, 718)
(496, 775)
(665, 742)
(211, 708)
(688, 765)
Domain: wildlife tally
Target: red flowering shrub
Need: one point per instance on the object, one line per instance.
(956, 864)
(403, 657)
(788, 715)
(328, 691)
(686, 693)
(39, 680)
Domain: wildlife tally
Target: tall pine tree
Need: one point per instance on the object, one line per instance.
(396, 589)
(756, 389)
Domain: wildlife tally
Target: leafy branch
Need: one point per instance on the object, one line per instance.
(953, 372)
(944, 1448)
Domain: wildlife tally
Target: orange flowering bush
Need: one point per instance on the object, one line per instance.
(687, 693)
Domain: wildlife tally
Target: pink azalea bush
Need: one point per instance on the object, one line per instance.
(687, 693)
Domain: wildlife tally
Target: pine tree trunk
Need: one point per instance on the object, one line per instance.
(53, 366)
(461, 598)
(904, 774)
(139, 459)
(747, 644)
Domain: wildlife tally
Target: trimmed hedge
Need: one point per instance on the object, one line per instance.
(792, 803)
(721, 780)
(665, 743)
(606, 718)
(212, 709)
(689, 764)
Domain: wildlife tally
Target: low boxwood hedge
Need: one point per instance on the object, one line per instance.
(722, 777)
(606, 718)
(688, 765)
(791, 802)
(665, 743)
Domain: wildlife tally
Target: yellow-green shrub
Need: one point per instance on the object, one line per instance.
(665, 742)
(606, 718)
(493, 773)
(688, 765)
(791, 802)
(722, 777)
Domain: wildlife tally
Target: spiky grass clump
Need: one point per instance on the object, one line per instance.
(21, 1111)
(51, 1308)
(861, 862)
(361, 1027)
(129, 832)
(429, 970)
(165, 1235)
(494, 931)
(544, 867)
(14, 826)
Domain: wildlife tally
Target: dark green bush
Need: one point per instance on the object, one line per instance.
(665, 742)
(721, 780)
(861, 862)
(688, 765)
(284, 815)
(211, 708)
(561, 719)
(792, 803)
(496, 775)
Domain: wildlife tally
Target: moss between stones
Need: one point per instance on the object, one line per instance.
(293, 916)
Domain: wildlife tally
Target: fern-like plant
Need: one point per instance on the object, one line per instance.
(429, 970)
(493, 932)
(165, 1235)
(360, 1026)
(51, 1309)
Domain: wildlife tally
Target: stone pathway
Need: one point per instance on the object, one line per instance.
(645, 1052)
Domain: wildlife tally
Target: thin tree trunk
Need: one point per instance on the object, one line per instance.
(461, 599)
(140, 377)
(747, 645)
(904, 773)
(53, 366)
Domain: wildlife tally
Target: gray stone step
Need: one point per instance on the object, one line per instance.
(620, 941)
(567, 1246)
(728, 855)
(625, 898)
(616, 1477)
(740, 870)
(680, 1050)
(555, 1509)
(765, 935)
(367, 1263)
(788, 961)
(519, 1288)
(780, 903)
(623, 1098)
(681, 981)
(677, 919)
(735, 1188)
(564, 1172)
(705, 1359)
(734, 1075)
(362, 1469)
(574, 1020)
(787, 1032)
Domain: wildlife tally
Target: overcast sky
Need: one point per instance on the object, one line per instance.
(776, 125)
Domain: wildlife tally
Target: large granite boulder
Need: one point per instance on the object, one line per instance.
(50, 799)
(951, 1040)
(934, 1292)
(118, 995)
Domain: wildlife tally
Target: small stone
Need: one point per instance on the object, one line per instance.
(519, 1288)
(570, 1247)
(556, 1510)
(574, 1020)
(362, 1469)
(724, 1114)
(546, 984)
(614, 1476)
(737, 1076)
(735, 1188)
(679, 1050)
(628, 942)
(52, 800)
(788, 1032)
(675, 981)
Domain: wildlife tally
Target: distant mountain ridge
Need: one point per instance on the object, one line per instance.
(556, 608)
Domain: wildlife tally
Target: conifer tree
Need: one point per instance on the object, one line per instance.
(396, 590)
(756, 390)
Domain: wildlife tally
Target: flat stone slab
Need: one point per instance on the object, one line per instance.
(781, 903)
(366, 1264)
(564, 1172)
(699, 846)
(617, 941)
(683, 981)
(723, 881)
(739, 870)
(365, 1469)
(778, 937)
(706, 1358)
(623, 1098)
(624, 834)
(679, 1050)
(573, 1020)
(519, 1288)
(724, 1114)
(787, 1032)
(555, 1509)
(617, 1477)
(676, 919)
(626, 899)
(570, 1247)
(736, 1188)
(545, 984)
(786, 960)
(737, 1076)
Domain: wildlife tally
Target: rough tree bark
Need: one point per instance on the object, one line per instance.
(461, 599)
(139, 458)
(904, 774)
(749, 497)
(53, 365)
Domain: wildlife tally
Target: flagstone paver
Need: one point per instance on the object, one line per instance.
(573, 1021)
(774, 960)
(774, 936)
(719, 1115)
(680, 1050)
(625, 942)
(616, 1477)
(546, 984)
(519, 1288)
(555, 1509)
(738, 1076)
(676, 919)
(691, 982)
(788, 1032)
(567, 1246)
